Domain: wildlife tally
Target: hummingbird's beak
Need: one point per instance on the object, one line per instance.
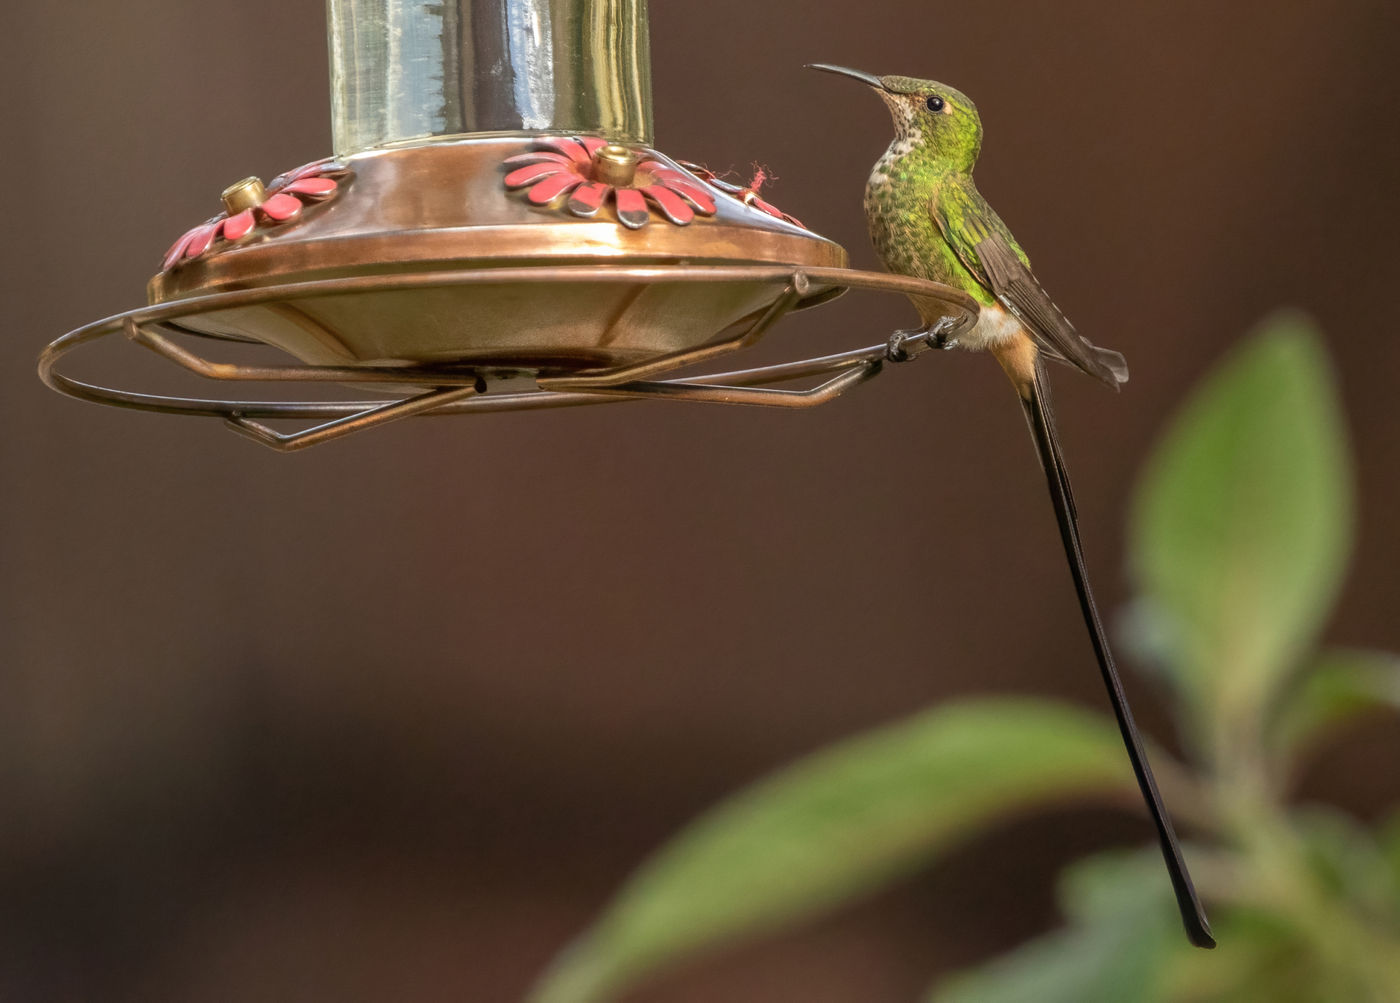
(864, 78)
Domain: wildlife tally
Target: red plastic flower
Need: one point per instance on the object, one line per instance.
(592, 171)
(747, 195)
(248, 205)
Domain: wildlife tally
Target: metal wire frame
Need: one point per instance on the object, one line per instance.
(455, 391)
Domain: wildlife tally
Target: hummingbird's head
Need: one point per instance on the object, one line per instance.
(927, 115)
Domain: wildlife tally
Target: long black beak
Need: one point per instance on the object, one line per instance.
(865, 78)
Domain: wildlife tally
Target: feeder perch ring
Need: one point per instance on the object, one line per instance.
(463, 388)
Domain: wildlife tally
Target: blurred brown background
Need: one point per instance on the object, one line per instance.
(389, 719)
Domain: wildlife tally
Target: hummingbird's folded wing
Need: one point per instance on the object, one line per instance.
(983, 243)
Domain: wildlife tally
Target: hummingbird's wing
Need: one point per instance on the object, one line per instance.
(988, 250)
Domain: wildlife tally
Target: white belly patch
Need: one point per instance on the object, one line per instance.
(995, 325)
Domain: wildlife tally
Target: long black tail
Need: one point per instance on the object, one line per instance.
(1042, 423)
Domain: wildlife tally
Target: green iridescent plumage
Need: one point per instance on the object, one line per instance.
(931, 156)
(928, 219)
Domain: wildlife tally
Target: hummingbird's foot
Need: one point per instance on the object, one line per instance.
(896, 350)
(905, 345)
(939, 335)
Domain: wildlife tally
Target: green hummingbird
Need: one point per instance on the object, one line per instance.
(928, 220)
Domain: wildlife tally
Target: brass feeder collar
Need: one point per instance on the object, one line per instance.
(246, 194)
(615, 165)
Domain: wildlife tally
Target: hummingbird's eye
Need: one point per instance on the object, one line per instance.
(934, 103)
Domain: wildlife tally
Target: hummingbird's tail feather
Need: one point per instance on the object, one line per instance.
(1113, 362)
(1036, 400)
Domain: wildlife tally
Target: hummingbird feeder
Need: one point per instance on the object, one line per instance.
(495, 231)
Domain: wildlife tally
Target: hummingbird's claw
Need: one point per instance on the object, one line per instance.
(905, 345)
(939, 335)
(896, 352)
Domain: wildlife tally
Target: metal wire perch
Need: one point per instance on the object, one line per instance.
(455, 388)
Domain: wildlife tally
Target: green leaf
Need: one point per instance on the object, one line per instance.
(1125, 930)
(1262, 958)
(1113, 884)
(1388, 837)
(1102, 963)
(1124, 943)
(1352, 863)
(835, 825)
(1242, 523)
(1340, 686)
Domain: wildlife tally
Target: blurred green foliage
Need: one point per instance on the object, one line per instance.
(1239, 540)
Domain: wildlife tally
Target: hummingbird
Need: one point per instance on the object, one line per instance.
(928, 220)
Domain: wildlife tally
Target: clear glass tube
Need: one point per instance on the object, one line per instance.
(404, 70)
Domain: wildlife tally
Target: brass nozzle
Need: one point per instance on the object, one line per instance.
(615, 165)
(246, 194)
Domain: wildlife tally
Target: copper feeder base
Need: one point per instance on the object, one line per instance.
(402, 215)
